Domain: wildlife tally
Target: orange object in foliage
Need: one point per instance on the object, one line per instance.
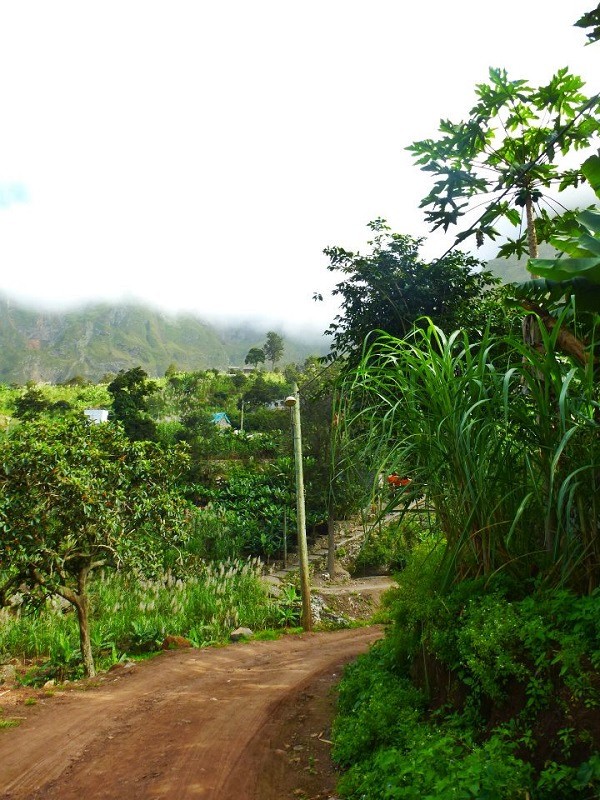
(396, 482)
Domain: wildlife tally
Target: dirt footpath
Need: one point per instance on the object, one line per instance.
(245, 722)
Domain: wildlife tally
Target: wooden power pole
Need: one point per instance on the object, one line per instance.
(293, 403)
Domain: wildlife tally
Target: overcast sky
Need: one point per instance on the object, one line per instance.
(200, 155)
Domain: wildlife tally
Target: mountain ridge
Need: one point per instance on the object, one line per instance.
(98, 339)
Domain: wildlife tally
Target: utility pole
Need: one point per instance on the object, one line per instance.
(293, 403)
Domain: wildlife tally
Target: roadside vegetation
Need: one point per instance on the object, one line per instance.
(155, 524)
(487, 683)
(134, 615)
(478, 692)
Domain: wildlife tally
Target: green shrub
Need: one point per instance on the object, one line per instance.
(386, 546)
(474, 693)
(376, 707)
(433, 766)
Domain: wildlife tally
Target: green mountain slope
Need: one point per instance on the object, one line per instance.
(100, 339)
(514, 270)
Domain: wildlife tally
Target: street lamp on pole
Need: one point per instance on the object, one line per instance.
(293, 403)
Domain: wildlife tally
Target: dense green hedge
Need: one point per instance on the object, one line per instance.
(479, 693)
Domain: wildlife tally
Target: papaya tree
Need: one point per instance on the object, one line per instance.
(76, 497)
(591, 21)
(504, 162)
(576, 273)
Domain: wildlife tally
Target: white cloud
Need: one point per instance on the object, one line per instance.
(201, 155)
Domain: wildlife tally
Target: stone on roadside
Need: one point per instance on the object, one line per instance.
(8, 673)
(240, 633)
(122, 666)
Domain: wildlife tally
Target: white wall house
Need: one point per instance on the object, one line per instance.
(96, 415)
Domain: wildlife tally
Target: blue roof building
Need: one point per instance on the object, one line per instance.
(221, 420)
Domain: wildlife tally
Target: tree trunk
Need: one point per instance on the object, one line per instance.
(532, 336)
(531, 331)
(80, 601)
(532, 241)
(85, 642)
(567, 342)
(330, 544)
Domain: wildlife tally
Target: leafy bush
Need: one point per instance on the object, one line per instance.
(474, 693)
(376, 705)
(433, 766)
(259, 503)
(393, 751)
(288, 608)
(216, 534)
(386, 546)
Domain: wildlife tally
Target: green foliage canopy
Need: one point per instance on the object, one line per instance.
(263, 391)
(273, 347)
(256, 356)
(75, 497)
(130, 391)
(576, 273)
(31, 403)
(591, 19)
(391, 287)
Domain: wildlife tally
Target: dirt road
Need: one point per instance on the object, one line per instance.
(247, 721)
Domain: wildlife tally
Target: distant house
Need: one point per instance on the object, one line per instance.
(221, 420)
(96, 415)
(245, 370)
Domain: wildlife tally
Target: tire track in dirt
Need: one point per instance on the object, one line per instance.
(188, 724)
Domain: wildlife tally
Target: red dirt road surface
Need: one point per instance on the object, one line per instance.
(213, 723)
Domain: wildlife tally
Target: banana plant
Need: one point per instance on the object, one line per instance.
(571, 282)
(577, 272)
